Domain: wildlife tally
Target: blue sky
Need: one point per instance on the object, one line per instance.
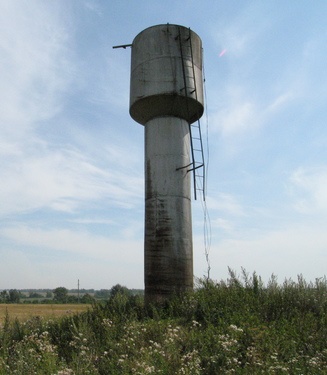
(71, 171)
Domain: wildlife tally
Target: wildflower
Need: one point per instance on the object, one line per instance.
(107, 323)
(233, 327)
(66, 371)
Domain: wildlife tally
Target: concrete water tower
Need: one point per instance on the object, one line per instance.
(166, 96)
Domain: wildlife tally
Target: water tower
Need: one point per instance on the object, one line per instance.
(166, 96)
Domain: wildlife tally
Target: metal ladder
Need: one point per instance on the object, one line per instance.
(197, 164)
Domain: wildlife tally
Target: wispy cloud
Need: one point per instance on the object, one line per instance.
(238, 114)
(244, 102)
(72, 161)
(62, 180)
(221, 223)
(92, 221)
(94, 6)
(272, 252)
(37, 72)
(72, 242)
(40, 268)
(35, 67)
(309, 189)
(280, 101)
(226, 203)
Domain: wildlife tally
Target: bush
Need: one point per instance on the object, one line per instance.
(238, 326)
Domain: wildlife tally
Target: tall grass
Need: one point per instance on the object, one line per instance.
(237, 326)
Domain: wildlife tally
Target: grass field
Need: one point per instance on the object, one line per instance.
(26, 311)
(233, 327)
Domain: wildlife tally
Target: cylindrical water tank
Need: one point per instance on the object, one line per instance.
(166, 74)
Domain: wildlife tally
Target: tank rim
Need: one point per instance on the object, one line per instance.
(164, 24)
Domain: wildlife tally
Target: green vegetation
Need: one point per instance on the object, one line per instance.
(61, 295)
(238, 326)
(13, 296)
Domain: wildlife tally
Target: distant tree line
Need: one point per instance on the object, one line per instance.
(11, 296)
(63, 295)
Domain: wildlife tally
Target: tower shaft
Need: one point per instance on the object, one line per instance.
(168, 252)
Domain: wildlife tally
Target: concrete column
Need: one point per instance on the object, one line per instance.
(168, 223)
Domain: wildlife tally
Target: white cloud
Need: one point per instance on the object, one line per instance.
(93, 6)
(237, 115)
(34, 72)
(240, 36)
(34, 64)
(244, 101)
(114, 87)
(73, 242)
(19, 270)
(15, 262)
(92, 221)
(62, 180)
(288, 252)
(280, 101)
(37, 72)
(222, 223)
(235, 41)
(61, 82)
(309, 189)
(225, 203)
(61, 256)
(240, 113)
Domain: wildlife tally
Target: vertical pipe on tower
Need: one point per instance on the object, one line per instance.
(166, 96)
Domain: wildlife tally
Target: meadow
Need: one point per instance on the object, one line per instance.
(237, 326)
(23, 312)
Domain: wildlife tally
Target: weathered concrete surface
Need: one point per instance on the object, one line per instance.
(166, 68)
(157, 78)
(168, 223)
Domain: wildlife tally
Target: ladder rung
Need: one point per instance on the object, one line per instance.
(187, 61)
